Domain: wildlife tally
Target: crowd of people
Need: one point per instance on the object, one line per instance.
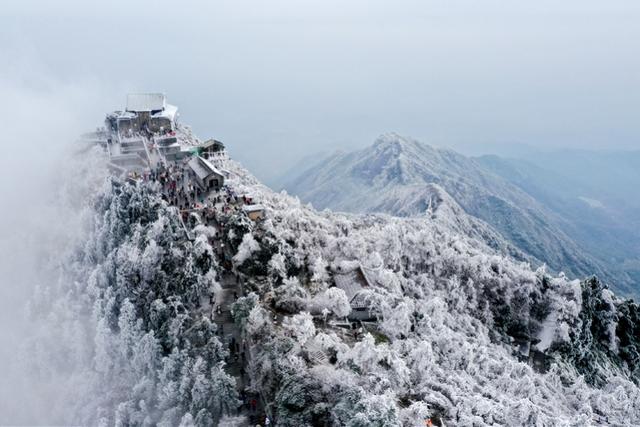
(213, 207)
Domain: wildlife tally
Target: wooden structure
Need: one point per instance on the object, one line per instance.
(354, 282)
(206, 175)
(254, 212)
(210, 148)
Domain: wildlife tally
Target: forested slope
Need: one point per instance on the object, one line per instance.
(462, 334)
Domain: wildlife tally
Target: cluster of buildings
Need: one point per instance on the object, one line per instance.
(146, 135)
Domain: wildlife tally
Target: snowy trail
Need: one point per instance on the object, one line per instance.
(229, 333)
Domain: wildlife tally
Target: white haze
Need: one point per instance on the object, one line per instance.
(282, 79)
(41, 118)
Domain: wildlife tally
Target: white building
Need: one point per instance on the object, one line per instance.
(148, 112)
(146, 102)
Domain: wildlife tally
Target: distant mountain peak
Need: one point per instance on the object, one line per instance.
(392, 158)
(394, 141)
(396, 175)
(385, 161)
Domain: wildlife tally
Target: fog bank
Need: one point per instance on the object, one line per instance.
(42, 117)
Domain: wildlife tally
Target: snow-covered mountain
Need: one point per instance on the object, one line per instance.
(396, 176)
(596, 195)
(457, 332)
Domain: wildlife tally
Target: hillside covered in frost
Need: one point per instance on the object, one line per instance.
(396, 175)
(461, 334)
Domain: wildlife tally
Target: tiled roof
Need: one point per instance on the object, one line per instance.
(352, 283)
(203, 168)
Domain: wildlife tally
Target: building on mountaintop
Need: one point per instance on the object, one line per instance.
(211, 148)
(145, 112)
(206, 175)
(146, 102)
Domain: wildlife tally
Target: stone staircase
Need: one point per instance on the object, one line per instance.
(230, 336)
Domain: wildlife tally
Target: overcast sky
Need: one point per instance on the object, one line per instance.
(277, 80)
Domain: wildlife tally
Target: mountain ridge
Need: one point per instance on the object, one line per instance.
(601, 218)
(374, 178)
(446, 329)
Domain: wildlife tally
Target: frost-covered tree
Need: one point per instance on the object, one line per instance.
(291, 297)
(338, 302)
(463, 334)
(155, 360)
(300, 326)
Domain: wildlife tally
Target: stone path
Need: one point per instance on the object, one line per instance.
(232, 288)
(230, 335)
